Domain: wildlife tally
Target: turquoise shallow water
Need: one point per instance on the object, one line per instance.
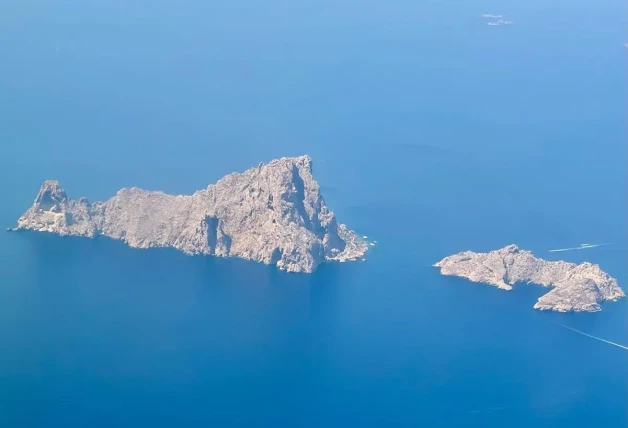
(430, 132)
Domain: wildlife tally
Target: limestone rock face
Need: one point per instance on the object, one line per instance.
(576, 288)
(274, 214)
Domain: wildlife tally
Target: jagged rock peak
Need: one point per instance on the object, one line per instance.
(512, 248)
(50, 194)
(304, 161)
(301, 162)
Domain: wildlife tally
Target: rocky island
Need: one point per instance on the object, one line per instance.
(274, 214)
(576, 288)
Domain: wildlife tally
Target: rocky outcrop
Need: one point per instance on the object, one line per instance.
(274, 214)
(579, 288)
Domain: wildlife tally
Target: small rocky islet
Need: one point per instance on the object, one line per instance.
(575, 287)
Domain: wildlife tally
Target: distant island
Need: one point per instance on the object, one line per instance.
(576, 288)
(273, 213)
(496, 19)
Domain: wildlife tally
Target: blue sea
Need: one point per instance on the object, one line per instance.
(430, 131)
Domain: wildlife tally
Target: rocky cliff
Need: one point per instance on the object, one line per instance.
(274, 214)
(575, 287)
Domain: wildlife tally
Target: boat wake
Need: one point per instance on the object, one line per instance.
(581, 247)
(619, 345)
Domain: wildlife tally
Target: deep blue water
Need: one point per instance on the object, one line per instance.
(430, 132)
